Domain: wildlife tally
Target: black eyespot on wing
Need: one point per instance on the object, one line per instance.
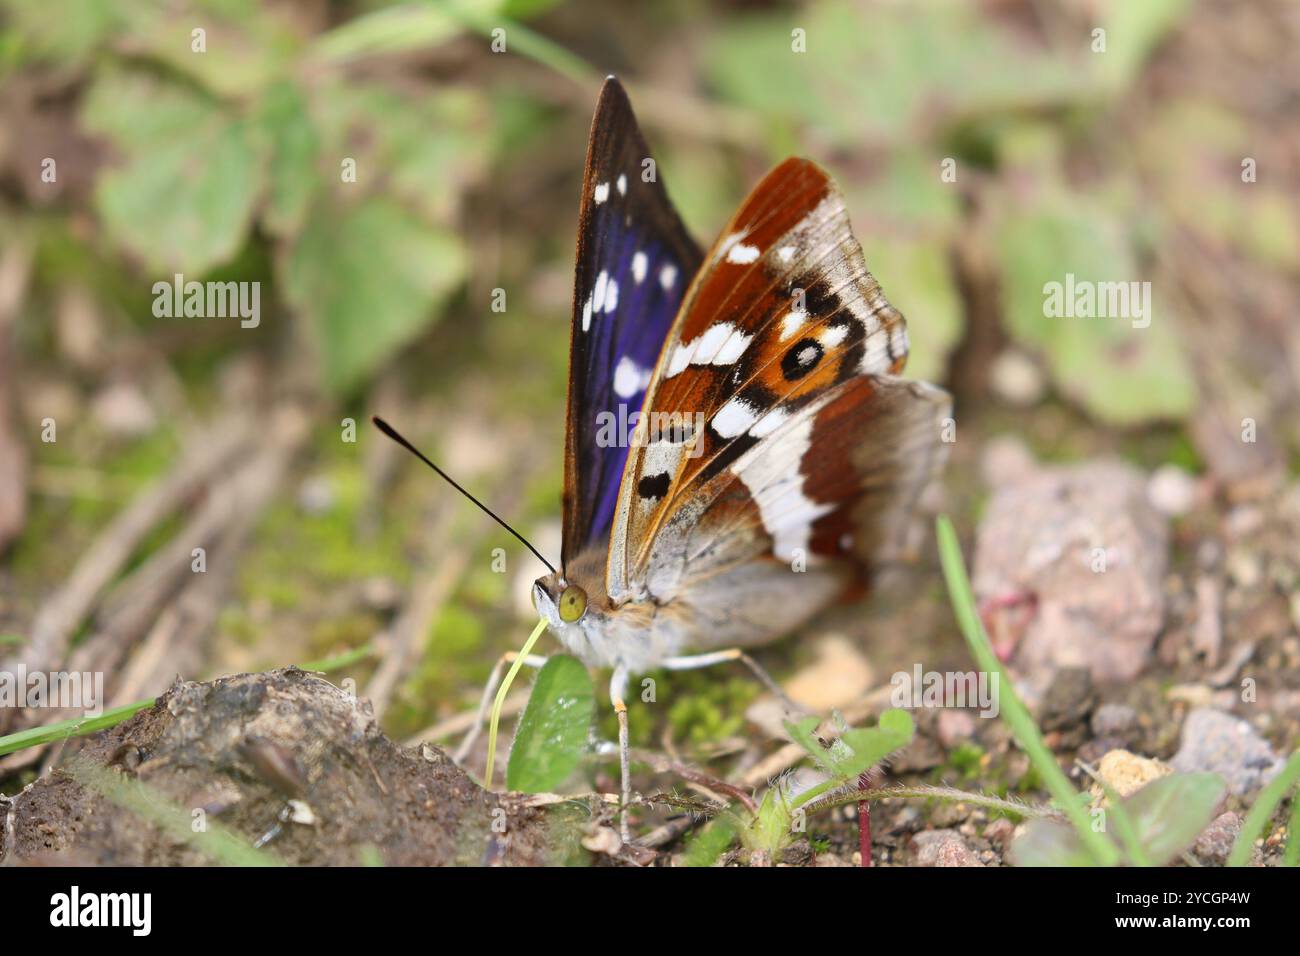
(801, 359)
(654, 486)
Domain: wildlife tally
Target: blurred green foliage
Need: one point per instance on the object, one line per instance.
(247, 143)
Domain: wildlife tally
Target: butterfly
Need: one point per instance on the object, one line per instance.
(740, 451)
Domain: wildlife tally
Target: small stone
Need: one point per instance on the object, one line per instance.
(1093, 750)
(1000, 831)
(954, 726)
(1244, 568)
(300, 811)
(1114, 720)
(1016, 379)
(949, 813)
(1005, 459)
(316, 495)
(1229, 746)
(1085, 543)
(1216, 841)
(603, 840)
(1126, 773)
(830, 859)
(381, 593)
(122, 410)
(943, 848)
(1069, 699)
(1171, 491)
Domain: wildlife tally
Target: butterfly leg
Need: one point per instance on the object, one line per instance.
(618, 697)
(694, 661)
(485, 704)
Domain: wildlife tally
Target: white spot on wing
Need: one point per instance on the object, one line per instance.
(598, 296)
(681, 358)
(791, 324)
(611, 296)
(630, 378)
(733, 348)
(742, 254)
(586, 315)
(668, 276)
(622, 184)
(600, 193)
(709, 343)
(833, 336)
(769, 423)
(639, 263)
(772, 475)
(734, 418)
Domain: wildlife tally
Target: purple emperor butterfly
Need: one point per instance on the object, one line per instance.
(739, 451)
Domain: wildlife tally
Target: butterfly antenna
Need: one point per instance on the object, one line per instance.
(391, 432)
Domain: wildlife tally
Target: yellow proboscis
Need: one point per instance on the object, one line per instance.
(501, 698)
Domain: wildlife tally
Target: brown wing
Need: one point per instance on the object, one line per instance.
(783, 311)
(806, 514)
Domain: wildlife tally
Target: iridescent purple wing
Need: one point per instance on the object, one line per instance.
(635, 261)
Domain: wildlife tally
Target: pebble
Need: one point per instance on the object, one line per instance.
(1084, 541)
(316, 495)
(1114, 720)
(1000, 831)
(1005, 459)
(943, 848)
(954, 726)
(1215, 842)
(1229, 746)
(1126, 773)
(1016, 379)
(1171, 491)
(122, 410)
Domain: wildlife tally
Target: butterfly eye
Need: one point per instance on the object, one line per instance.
(573, 603)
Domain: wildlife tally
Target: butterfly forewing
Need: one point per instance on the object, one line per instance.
(783, 311)
(634, 263)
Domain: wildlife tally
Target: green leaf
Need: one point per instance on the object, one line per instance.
(246, 45)
(1121, 372)
(65, 31)
(771, 828)
(856, 750)
(182, 199)
(926, 65)
(368, 277)
(552, 734)
(1047, 843)
(706, 845)
(1169, 813)
(1132, 31)
(284, 120)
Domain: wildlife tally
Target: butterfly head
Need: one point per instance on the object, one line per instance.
(579, 613)
(565, 604)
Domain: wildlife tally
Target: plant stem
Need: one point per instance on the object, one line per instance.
(1013, 710)
(501, 699)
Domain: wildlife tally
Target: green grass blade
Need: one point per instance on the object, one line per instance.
(215, 841)
(1012, 708)
(65, 729)
(1262, 811)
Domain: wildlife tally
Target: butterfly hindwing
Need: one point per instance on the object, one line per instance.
(806, 514)
(635, 260)
(782, 315)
